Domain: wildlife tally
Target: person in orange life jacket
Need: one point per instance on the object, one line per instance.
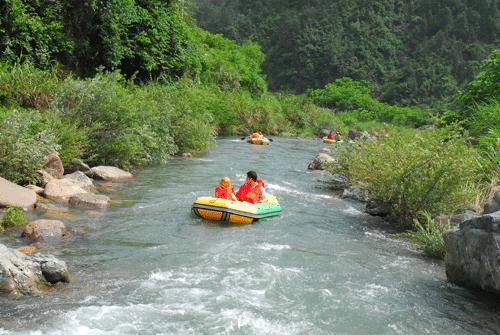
(252, 190)
(330, 135)
(255, 135)
(225, 190)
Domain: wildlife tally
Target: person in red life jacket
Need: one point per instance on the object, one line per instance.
(252, 190)
(330, 135)
(255, 135)
(225, 190)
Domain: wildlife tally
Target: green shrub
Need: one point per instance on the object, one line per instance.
(12, 217)
(412, 171)
(24, 142)
(429, 235)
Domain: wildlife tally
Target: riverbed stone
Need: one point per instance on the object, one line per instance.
(34, 188)
(89, 200)
(22, 274)
(64, 188)
(53, 165)
(320, 161)
(473, 253)
(493, 203)
(45, 230)
(12, 195)
(81, 177)
(355, 193)
(110, 173)
(27, 249)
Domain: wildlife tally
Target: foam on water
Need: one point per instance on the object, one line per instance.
(352, 211)
(269, 247)
(297, 193)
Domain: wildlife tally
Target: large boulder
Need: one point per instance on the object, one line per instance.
(54, 166)
(21, 274)
(45, 230)
(89, 200)
(64, 188)
(320, 161)
(12, 195)
(110, 173)
(473, 253)
(493, 203)
(464, 216)
(80, 177)
(45, 177)
(34, 188)
(362, 135)
(77, 165)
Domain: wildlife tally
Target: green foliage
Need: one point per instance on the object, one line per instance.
(414, 52)
(24, 142)
(412, 171)
(229, 65)
(26, 86)
(346, 94)
(485, 87)
(12, 217)
(429, 235)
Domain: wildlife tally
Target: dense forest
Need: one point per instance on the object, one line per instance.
(414, 52)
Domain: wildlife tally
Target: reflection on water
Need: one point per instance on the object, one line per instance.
(146, 266)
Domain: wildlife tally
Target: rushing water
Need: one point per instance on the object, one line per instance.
(146, 266)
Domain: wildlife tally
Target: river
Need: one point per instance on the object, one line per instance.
(146, 266)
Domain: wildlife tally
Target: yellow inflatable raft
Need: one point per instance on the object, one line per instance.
(259, 141)
(216, 209)
(328, 141)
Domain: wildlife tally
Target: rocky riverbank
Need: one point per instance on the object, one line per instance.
(25, 271)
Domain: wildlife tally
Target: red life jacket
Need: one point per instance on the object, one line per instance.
(330, 136)
(223, 193)
(256, 191)
(255, 135)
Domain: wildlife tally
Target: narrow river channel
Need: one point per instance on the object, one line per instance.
(146, 266)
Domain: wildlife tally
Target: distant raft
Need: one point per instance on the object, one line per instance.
(216, 209)
(258, 141)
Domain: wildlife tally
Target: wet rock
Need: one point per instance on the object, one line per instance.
(338, 181)
(89, 200)
(77, 165)
(54, 166)
(27, 249)
(21, 274)
(34, 188)
(493, 203)
(12, 195)
(186, 155)
(473, 253)
(110, 173)
(376, 209)
(45, 230)
(64, 188)
(53, 211)
(320, 161)
(355, 193)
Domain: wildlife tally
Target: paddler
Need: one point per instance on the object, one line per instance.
(330, 136)
(225, 190)
(252, 190)
(255, 135)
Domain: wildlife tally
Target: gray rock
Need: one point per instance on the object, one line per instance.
(77, 165)
(53, 269)
(110, 173)
(362, 135)
(338, 181)
(355, 193)
(21, 274)
(319, 162)
(45, 230)
(89, 200)
(493, 203)
(461, 217)
(54, 166)
(186, 155)
(375, 209)
(473, 253)
(81, 177)
(12, 195)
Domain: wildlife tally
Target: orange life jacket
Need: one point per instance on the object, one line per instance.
(251, 194)
(223, 193)
(255, 135)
